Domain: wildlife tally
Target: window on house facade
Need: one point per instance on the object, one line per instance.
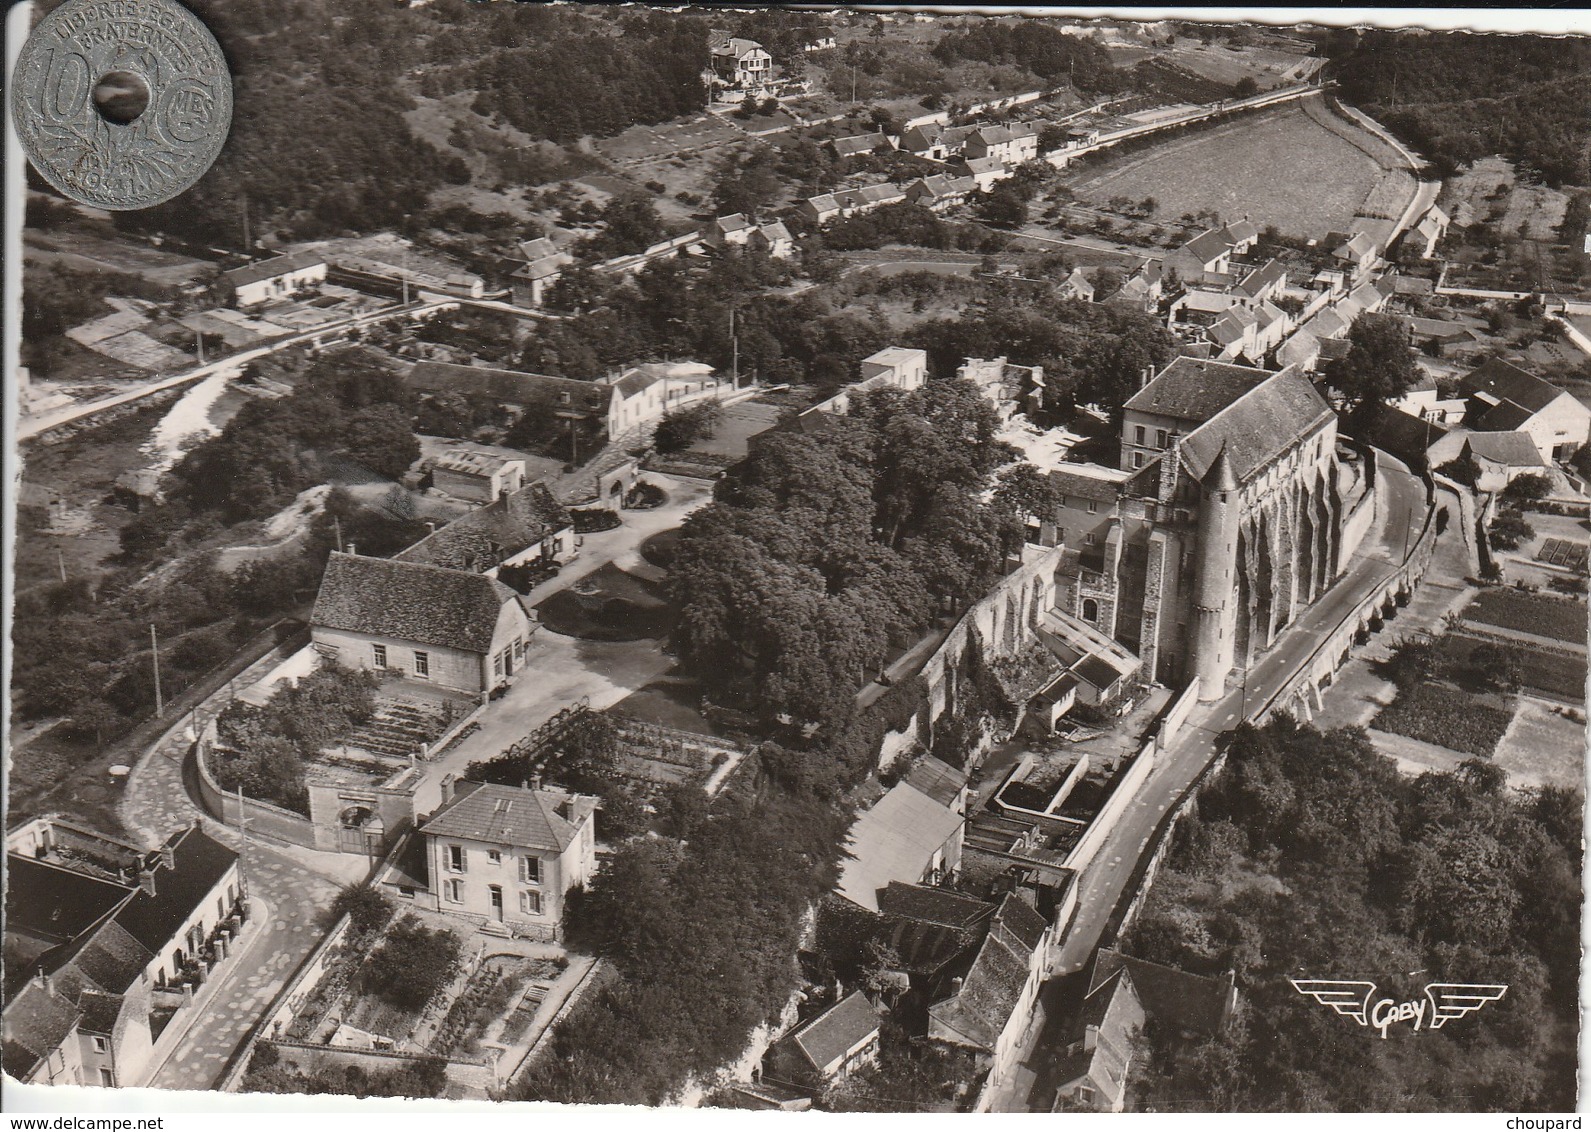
(1137, 459)
(379, 652)
(530, 903)
(101, 1045)
(494, 856)
(1090, 609)
(1161, 438)
(107, 1078)
(1138, 434)
(1089, 538)
(422, 663)
(453, 891)
(497, 665)
(530, 870)
(457, 859)
(1093, 508)
(1085, 1094)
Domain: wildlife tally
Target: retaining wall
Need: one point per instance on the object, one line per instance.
(1122, 797)
(263, 819)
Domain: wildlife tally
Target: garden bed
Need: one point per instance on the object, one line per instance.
(1560, 675)
(1557, 618)
(1447, 717)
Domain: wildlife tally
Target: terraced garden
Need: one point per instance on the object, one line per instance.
(1559, 619)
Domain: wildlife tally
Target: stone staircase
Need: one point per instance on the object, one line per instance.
(398, 729)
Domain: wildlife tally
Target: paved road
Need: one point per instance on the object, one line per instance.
(1106, 880)
(31, 426)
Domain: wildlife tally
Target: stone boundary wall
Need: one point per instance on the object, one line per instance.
(1120, 798)
(262, 818)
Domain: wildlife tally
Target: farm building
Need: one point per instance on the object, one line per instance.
(279, 278)
(831, 1046)
(478, 477)
(1505, 398)
(515, 392)
(528, 524)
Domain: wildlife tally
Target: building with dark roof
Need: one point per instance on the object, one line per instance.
(109, 960)
(505, 855)
(592, 402)
(455, 627)
(831, 1046)
(1229, 523)
(526, 525)
(993, 1006)
(1505, 398)
(1123, 994)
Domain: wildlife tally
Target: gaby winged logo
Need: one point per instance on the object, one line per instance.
(1443, 1002)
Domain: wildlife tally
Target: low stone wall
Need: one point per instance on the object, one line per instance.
(1104, 821)
(1176, 713)
(474, 1080)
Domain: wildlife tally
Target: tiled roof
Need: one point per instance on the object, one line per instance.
(1022, 920)
(271, 268)
(483, 538)
(983, 1008)
(1194, 390)
(100, 1012)
(469, 462)
(1507, 382)
(1504, 417)
(507, 386)
(1209, 246)
(1196, 1003)
(37, 1021)
(510, 815)
(1089, 488)
(408, 601)
(1511, 449)
(931, 905)
(1257, 426)
(108, 959)
(838, 1030)
(1256, 281)
(199, 862)
(895, 840)
(937, 779)
(858, 143)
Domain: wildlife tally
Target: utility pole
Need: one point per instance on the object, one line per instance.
(338, 524)
(154, 655)
(60, 562)
(734, 352)
(247, 244)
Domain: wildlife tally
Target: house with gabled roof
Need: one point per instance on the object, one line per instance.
(940, 191)
(540, 265)
(984, 171)
(456, 628)
(1505, 398)
(1076, 286)
(1124, 993)
(773, 239)
(1011, 144)
(993, 1006)
(905, 836)
(725, 231)
(931, 929)
(831, 1046)
(117, 941)
(741, 65)
(1357, 253)
(1428, 233)
(277, 278)
(1210, 252)
(857, 145)
(515, 392)
(476, 475)
(507, 856)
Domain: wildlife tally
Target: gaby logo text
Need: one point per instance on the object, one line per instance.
(1443, 1002)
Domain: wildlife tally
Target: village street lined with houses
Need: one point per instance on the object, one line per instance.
(924, 563)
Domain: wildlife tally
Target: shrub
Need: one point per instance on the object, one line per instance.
(366, 908)
(1527, 488)
(1508, 529)
(411, 965)
(1435, 713)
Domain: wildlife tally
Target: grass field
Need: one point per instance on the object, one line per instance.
(1236, 170)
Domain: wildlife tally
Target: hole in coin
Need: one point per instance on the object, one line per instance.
(120, 97)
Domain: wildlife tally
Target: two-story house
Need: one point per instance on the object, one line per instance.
(508, 855)
(742, 65)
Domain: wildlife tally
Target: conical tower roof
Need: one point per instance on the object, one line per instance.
(1218, 476)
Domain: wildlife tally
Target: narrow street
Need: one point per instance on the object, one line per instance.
(1106, 881)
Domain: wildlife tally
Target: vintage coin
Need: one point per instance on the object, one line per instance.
(121, 104)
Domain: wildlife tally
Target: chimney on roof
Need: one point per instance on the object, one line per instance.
(955, 985)
(168, 855)
(447, 788)
(146, 880)
(430, 526)
(352, 549)
(534, 783)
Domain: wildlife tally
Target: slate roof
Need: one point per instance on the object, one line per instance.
(108, 959)
(1257, 426)
(1301, 348)
(937, 779)
(824, 202)
(894, 356)
(1089, 488)
(975, 165)
(838, 1030)
(100, 1012)
(539, 248)
(483, 538)
(409, 601)
(988, 996)
(774, 231)
(929, 905)
(895, 840)
(637, 381)
(1191, 389)
(1358, 247)
(1329, 323)
(734, 222)
(509, 815)
(545, 267)
(271, 268)
(1412, 285)
(1504, 417)
(507, 386)
(1196, 1003)
(1113, 1009)
(1022, 921)
(1241, 232)
(48, 900)
(858, 143)
(1405, 435)
(1511, 449)
(1507, 382)
(1078, 282)
(736, 47)
(199, 862)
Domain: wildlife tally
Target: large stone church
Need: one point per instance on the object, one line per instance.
(1224, 519)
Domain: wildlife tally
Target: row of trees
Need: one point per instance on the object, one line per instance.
(1312, 856)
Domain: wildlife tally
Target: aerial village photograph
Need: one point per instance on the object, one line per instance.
(834, 560)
